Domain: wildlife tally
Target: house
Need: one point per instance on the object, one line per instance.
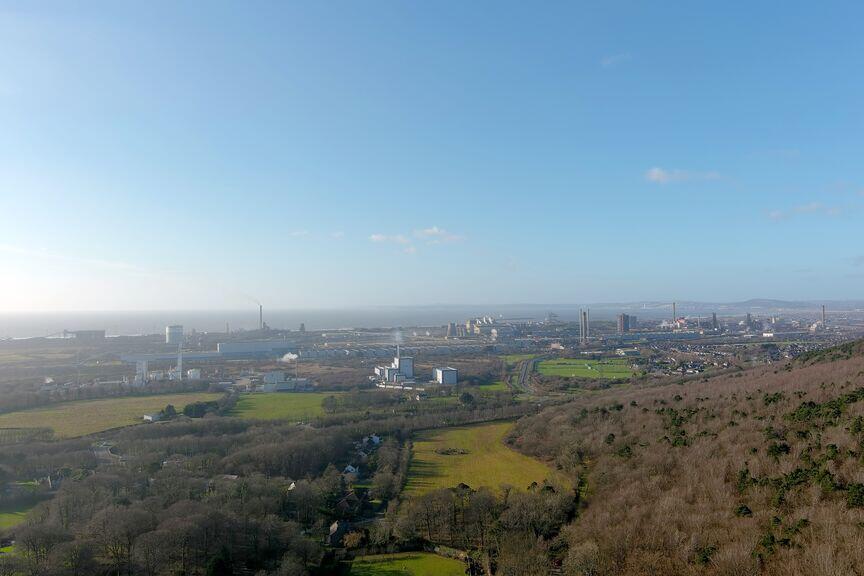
(374, 439)
(155, 417)
(349, 505)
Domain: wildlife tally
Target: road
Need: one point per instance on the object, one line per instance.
(525, 370)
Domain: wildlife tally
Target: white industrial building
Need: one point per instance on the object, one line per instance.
(405, 365)
(278, 381)
(447, 375)
(174, 334)
(274, 377)
(288, 385)
(400, 370)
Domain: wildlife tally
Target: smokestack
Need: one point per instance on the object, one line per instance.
(674, 312)
(823, 314)
(260, 317)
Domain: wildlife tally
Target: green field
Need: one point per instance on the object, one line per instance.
(10, 517)
(498, 386)
(281, 405)
(585, 368)
(72, 419)
(513, 359)
(406, 564)
(478, 457)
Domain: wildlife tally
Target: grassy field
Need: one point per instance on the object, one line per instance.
(513, 359)
(72, 419)
(406, 564)
(281, 405)
(478, 457)
(584, 368)
(10, 517)
(498, 386)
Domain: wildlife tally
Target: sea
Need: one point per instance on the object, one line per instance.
(130, 323)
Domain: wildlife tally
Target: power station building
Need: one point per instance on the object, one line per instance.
(401, 370)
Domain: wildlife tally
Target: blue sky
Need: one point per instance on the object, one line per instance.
(165, 155)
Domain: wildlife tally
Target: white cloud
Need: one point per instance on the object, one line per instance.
(299, 233)
(664, 176)
(436, 235)
(430, 236)
(395, 239)
(337, 235)
(613, 60)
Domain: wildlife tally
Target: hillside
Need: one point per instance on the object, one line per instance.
(757, 472)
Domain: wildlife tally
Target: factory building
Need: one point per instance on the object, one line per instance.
(278, 381)
(400, 370)
(447, 376)
(262, 348)
(405, 365)
(174, 334)
(89, 335)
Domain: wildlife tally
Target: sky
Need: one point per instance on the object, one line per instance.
(205, 154)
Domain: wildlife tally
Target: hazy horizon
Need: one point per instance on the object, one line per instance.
(23, 324)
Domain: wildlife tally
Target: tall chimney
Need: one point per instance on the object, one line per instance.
(260, 317)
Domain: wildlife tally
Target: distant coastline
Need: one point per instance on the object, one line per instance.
(126, 323)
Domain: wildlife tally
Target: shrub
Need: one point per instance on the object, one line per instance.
(769, 399)
(776, 450)
(703, 554)
(624, 452)
(855, 495)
